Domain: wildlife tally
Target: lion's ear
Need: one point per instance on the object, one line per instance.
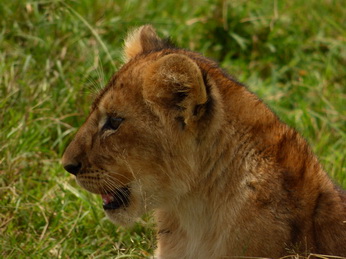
(141, 40)
(175, 83)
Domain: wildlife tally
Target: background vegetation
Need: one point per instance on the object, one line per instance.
(54, 55)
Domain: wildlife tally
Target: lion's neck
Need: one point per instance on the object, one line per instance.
(197, 218)
(188, 230)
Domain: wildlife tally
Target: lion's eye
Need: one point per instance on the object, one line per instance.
(113, 123)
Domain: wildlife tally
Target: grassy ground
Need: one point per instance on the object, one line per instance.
(54, 55)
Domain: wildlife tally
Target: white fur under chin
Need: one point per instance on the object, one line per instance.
(120, 217)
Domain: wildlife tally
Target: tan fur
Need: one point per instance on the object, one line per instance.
(224, 176)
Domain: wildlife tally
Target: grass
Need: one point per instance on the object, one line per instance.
(54, 55)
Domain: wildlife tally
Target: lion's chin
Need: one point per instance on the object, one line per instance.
(121, 217)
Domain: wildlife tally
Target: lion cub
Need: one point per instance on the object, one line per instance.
(226, 178)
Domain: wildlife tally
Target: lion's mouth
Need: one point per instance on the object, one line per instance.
(116, 199)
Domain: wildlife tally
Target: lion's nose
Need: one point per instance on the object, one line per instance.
(73, 169)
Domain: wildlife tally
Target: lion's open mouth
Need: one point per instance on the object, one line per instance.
(117, 199)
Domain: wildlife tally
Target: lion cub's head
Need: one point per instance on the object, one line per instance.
(140, 146)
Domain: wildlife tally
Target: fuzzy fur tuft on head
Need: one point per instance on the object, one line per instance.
(141, 40)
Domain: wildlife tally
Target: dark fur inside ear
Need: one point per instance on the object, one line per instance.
(198, 109)
(178, 99)
(181, 122)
